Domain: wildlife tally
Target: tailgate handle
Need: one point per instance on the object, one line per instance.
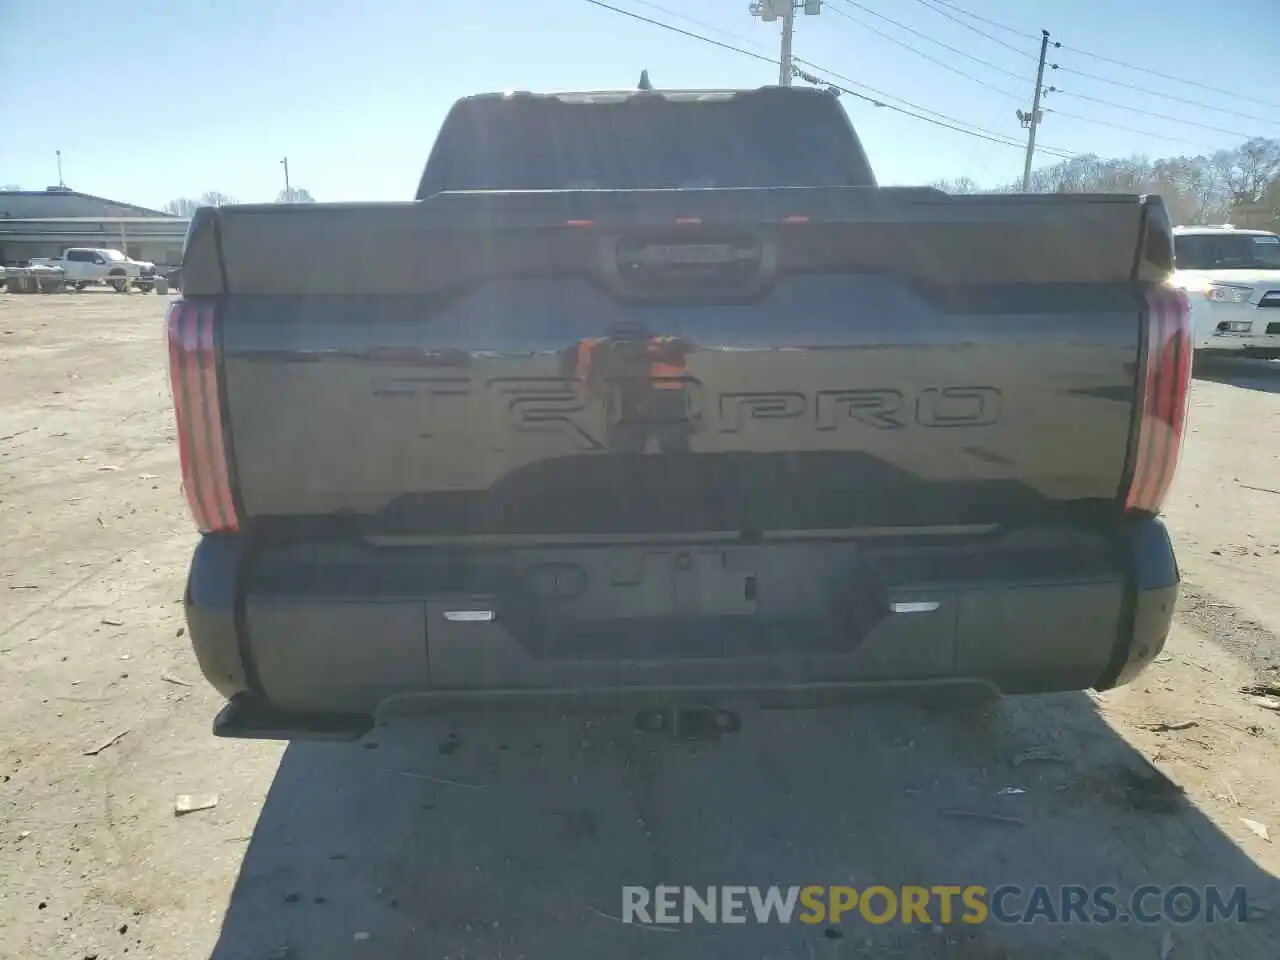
(687, 265)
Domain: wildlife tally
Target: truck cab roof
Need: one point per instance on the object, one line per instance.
(614, 96)
(628, 139)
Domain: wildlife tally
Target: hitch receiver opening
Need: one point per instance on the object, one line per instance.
(689, 723)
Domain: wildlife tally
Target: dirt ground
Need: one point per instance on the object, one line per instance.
(513, 838)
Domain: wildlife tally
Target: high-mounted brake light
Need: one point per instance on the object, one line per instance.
(1165, 394)
(193, 379)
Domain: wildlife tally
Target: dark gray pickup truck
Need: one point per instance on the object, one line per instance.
(657, 401)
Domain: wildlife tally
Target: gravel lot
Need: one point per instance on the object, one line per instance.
(513, 838)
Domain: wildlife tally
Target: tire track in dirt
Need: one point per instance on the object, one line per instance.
(1230, 628)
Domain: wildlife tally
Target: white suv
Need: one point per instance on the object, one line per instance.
(1232, 278)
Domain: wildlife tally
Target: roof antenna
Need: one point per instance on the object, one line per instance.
(644, 81)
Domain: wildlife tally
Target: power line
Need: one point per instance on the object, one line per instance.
(977, 132)
(927, 56)
(684, 33)
(698, 23)
(950, 123)
(1082, 119)
(1166, 96)
(1150, 113)
(986, 63)
(1058, 152)
(981, 132)
(1167, 76)
(1104, 123)
(982, 33)
(1127, 128)
(993, 23)
(1061, 113)
(1111, 60)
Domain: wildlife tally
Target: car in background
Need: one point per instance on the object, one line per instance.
(101, 265)
(1232, 278)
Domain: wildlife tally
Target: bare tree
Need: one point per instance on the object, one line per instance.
(1081, 174)
(295, 195)
(1264, 214)
(1238, 185)
(959, 185)
(1249, 168)
(215, 199)
(1271, 198)
(11, 186)
(1193, 189)
(182, 206)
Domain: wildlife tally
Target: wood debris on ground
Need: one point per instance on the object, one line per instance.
(112, 741)
(193, 802)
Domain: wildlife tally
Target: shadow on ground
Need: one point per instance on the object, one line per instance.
(1263, 375)
(513, 837)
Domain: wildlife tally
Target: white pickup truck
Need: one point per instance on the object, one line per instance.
(89, 265)
(1232, 278)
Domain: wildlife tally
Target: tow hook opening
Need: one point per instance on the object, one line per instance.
(685, 723)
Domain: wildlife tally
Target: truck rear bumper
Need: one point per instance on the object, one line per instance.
(315, 640)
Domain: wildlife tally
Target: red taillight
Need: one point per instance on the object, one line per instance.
(193, 378)
(1165, 395)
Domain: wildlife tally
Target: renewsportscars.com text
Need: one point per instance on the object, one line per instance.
(940, 904)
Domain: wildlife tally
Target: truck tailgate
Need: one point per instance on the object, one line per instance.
(635, 362)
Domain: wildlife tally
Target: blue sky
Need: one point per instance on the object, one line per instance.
(200, 95)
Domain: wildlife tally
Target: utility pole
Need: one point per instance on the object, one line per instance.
(788, 29)
(785, 10)
(285, 163)
(1034, 120)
